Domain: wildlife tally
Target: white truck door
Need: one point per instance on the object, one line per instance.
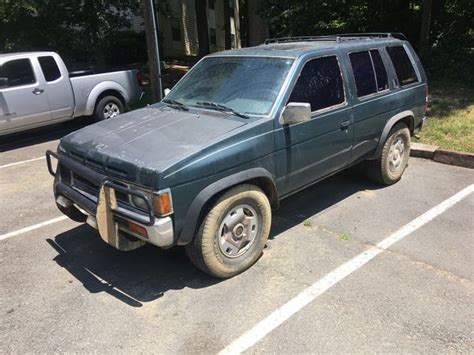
(58, 87)
(22, 100)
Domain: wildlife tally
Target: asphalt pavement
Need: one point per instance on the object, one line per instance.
(62, 289)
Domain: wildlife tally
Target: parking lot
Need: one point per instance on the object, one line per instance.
(349, 267)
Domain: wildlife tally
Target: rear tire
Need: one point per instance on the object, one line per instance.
(108, 107)
(391, 164)
(232, 235)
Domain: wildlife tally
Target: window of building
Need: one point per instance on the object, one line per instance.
(380, 71)
(320, 84)
(17, 73)
(231, 8)
(50, 68)
(403, 67)
(212, 36)
(176, 31)
(363, 73)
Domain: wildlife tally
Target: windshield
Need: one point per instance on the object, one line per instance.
(245, 84)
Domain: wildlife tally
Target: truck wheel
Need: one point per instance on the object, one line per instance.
(108, 107)
(391, 164)
(232, 235)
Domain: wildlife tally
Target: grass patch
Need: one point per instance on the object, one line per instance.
(307, 223)
(344, 236)
(451, 118)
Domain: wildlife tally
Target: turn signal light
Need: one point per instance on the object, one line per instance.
(162, 204)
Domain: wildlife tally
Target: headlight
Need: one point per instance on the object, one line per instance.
(139, 202)
(162, 203)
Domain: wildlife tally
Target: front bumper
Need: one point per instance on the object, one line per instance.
(119, 223)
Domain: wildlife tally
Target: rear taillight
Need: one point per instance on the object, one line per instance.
(140, 78)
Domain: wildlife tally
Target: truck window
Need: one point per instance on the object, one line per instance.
(363, 73)
(403, 67)
(380, 71)
(320, 84)
(17, 72)
(50, 68)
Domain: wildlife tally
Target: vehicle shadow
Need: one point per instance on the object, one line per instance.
(40, 135)
(145, 274)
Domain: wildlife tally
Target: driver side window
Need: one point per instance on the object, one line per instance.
(320, 84)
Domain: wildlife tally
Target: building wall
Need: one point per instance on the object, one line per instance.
(179, 35)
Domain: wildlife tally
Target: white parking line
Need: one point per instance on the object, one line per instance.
(30, 228)
(275, 319)
(21, 162)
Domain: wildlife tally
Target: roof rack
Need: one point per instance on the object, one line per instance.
(338, 37)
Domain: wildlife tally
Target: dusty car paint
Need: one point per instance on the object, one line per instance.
(200, 153)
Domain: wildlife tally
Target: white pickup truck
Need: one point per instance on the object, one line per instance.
(36, 89)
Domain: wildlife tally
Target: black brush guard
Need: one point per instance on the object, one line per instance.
(142, 217)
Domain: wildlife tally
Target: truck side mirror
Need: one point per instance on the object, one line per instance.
(167, 91)
(3, 82)
(296, 112)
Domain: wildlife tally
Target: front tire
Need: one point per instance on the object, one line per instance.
(108, 107)
(389, 167)
(232, 235)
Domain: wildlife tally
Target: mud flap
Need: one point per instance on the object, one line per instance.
(107, 227)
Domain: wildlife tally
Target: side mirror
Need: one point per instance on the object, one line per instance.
(167, 91)
(3, 82)
(296, 112)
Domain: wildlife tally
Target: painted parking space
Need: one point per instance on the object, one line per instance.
(61, 279)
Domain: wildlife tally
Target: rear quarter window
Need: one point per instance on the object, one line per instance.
(403, 67)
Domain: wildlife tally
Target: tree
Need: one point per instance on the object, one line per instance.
(202, 27)
(227, 37)
(441, 30)
(76, 29)
(425, 26)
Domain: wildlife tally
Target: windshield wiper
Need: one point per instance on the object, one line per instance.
(221, 108)
(175, 104)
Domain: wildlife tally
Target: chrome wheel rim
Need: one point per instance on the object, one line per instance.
(238, 230)
(111, 110)
(396, 155)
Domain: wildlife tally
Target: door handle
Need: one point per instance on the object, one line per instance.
(345, 125)
(38, 91)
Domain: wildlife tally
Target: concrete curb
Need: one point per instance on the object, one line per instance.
(445, 156)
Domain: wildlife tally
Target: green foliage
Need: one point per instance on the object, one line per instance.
(344, 236)
(125, 47)
(75, 29)
(450, 55)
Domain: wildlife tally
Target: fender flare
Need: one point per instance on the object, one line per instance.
(388, 127)
(101, 88)
(196, 208)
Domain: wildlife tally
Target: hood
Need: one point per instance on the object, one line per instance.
(136, 145)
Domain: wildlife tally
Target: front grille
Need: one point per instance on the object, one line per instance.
(81, 184)
(90, 189)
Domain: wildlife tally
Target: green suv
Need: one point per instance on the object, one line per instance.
(240, 131)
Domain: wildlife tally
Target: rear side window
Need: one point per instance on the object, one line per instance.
(17, 72)
(320, 84)
(380, 71)
(363, 73)
(369, 72)
(403, 67)
(50, 68)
